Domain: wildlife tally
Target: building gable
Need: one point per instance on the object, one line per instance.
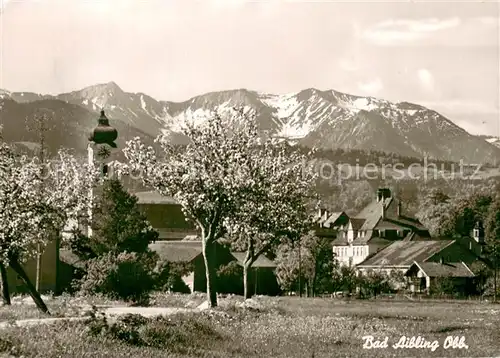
(336, 220)
(437, 269)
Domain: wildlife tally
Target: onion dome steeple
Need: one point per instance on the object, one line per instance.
(104, 133)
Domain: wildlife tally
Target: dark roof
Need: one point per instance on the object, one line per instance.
(357, 223)
(153, 197)
(333, 218)
(340, 241)
(187, 251)
(261, 261)
(419, 236)
(177, 251)
(405, 221)
(436, 269)
(404, 253)
(372, 214)
(177, 234)
(320, 219)
(69, 257)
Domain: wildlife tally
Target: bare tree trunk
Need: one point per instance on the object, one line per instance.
(38, 267)
(246, 280)
(300, 271)
(210, 259)
(5, 284)
(249, 258)
(16, 266)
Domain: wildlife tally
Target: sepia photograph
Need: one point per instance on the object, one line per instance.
(249, 178)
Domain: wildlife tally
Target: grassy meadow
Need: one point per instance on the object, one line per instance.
(262, 327)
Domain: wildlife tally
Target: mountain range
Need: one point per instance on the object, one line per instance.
(311, 118)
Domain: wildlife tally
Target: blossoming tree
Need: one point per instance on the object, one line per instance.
(278, 200)
(204, 177)
(35, 203)
(227, 171)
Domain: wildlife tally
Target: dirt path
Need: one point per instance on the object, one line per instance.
(111, 312)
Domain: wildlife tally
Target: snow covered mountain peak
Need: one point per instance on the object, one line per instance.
(311, 117)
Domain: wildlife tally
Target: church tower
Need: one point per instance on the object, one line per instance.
(101, 141)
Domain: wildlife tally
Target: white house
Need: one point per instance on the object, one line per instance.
(378, 225)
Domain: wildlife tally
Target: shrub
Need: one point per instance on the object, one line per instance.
(444, 286)
(374, 283)
(117, 225)
(169, 277)
(230, 278)
(177, 333)
(127, 276)
(118, 262)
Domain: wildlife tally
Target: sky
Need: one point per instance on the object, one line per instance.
(444, 55)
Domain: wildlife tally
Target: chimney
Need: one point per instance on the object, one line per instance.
(441, 260)
(399, 208)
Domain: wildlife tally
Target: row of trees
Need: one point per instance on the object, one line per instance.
(237, 186)
(457, 216)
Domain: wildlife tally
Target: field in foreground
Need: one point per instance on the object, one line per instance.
(272, 327)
